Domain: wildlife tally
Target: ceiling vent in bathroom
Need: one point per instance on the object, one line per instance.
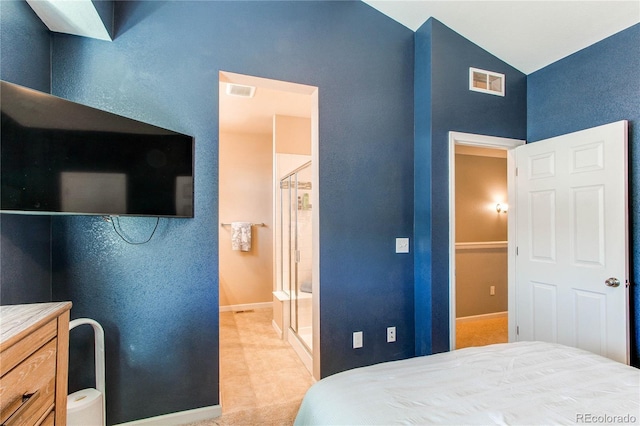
(240, 90)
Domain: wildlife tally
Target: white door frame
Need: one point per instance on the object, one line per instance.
(481, 141)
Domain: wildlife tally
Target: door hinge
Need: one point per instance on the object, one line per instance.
(516, 171)
(517, 330)
(516, 250)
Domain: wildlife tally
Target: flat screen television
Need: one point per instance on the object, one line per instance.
(61, 157)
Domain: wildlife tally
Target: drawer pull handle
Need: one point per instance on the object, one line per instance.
(27, 400)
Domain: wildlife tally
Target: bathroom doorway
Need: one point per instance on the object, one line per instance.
(268, 129)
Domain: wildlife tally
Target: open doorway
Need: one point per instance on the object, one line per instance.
(481, 246)
(266, 127)
(481, 264)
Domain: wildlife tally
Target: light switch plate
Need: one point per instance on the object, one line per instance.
(357, 339)
(402, 245)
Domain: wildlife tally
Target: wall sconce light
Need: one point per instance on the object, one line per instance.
(502, 207)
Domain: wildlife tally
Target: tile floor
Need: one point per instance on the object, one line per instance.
(257, 368)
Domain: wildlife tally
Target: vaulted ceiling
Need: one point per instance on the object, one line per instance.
(526, 34)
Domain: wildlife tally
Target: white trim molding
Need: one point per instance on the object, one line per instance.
(481, 245)
(491, 315)
(179, 418)
(278, 330)
(246, 307)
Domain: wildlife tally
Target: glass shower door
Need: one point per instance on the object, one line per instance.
(295, 243)
(303, 241)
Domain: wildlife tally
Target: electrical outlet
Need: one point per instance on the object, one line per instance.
(357, 339)
(391, 334)
(492, 290)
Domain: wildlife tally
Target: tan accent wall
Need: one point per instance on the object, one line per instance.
(481, 182)
(292, 134)
(476, 271)
(246, 194)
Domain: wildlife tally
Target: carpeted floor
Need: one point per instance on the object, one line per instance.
(274, 415)
(262, 380)
(481, 332)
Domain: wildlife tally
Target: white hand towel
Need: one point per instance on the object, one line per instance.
(241, 236)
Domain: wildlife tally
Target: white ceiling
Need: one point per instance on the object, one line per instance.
(527, 35)
(77, 17)
(255, 115)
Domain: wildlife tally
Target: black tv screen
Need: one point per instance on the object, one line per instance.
(61, 157)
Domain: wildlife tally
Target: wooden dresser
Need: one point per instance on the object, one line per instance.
(34, 358)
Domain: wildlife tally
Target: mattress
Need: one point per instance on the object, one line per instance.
(511, 383)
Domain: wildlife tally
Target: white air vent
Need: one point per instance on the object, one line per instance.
(486, 81)
(240, 90)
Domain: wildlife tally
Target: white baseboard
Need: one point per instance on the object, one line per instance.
(179, 418)
(304, 356)
(483, 317)
(246, 307)
(278, 330)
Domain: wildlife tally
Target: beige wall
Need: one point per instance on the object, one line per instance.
(246, 194)
(476, 271)
(481, 182)
(292, 134)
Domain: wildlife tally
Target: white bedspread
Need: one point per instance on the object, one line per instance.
(531, 383)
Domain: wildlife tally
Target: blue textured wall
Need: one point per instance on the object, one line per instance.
(159, 302)
(25, 46)
(453, 108)
(595, 86)
(25, 241)
(25, 259)
(422, 188)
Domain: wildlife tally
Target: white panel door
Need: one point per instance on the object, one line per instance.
(571, 237)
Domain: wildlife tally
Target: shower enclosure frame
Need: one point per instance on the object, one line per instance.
(292, 202)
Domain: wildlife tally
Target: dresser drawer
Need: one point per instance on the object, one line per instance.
(50, 420)
(18, 352)
(34, 376)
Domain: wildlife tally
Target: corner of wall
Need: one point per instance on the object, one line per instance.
(422, 179)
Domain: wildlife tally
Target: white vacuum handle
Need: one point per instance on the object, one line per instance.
(98, 333)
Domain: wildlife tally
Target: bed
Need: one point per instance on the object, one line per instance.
(511, 383)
